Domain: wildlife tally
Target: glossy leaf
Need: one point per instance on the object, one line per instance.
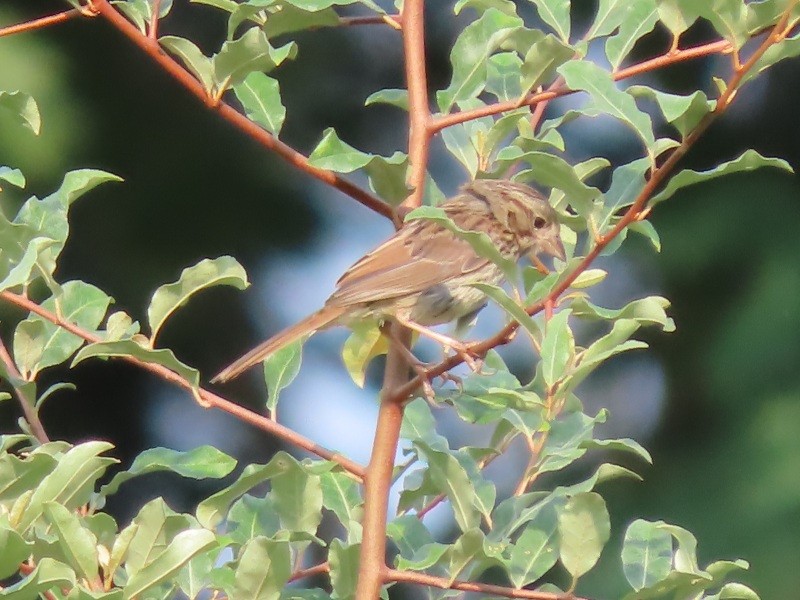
(640, 18)
(72, 480)
(646, 554)
(193, 59)
(203, 462)
(584, 528)
(470, 55)
(536, 549)
(748, 161)
(23, 109)
(260, 96)
(280, 369)
(77, 543)
(558, 347)
(583, 75)
(79, 303)
(165, 565)
(168, 298)
(556, 14)
(123, 348)
(264, 568)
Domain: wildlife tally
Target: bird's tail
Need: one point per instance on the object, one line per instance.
(307, 326)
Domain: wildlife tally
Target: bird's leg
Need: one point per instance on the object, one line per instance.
(419, 367)
(460, 348)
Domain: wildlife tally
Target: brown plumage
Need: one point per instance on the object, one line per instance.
(422, 275)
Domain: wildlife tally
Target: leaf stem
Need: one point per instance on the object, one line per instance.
(26, 403)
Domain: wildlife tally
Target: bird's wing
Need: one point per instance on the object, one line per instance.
(419, 256)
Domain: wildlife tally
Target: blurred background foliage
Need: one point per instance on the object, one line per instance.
(722, 413)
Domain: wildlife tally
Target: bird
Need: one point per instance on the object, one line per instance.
(423, 275)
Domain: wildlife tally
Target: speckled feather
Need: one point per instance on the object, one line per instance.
(424, 272)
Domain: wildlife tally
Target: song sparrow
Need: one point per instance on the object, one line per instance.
(422, 275)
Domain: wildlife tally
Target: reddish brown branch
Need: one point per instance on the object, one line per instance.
(207, 398)
(25, 402)
(232, 116)
(43, 22)
(310, 571)
(718, 47)
(468, 586)
(636, 210)
(419, 115)
(155, 8)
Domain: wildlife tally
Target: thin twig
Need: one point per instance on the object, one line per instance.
(235, 118)
(155, 8)
(659, 62)
(26, 403)
(469, 586)
(43, 22)
(206, 398)
(635, 211)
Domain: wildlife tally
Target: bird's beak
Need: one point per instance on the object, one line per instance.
(553, 246)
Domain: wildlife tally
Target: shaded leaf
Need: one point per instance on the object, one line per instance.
(169, 297)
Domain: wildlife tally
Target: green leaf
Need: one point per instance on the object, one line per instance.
(71, 482)
(640, 18)
(193, 59)
(297, 493)
(14, 550)
(251, 516)
(558, 347)
(203, 462)
(393, 97)
(553, 171)
(129, 348)
(23, 473)
(288, 19)
(79, 303)
(645, 311)
(47, 575)
(542, 59)
(678, 15)
(387, 174)
(344, 569)
(23, 109)
(684, 112)
(620, 444)
(506, 6)
(364, 343)
(646, 554)
(470, 56)
(264, 568)
(165, 565)
(787, 48)
(586, 76)
(584, 528)
(12, 176)
(341, 494)
(77, 543)
(536, 549)
(168, 298)
(508, 304)
(156, 525)
(729, 18)
(280, 369)
(748, 161)
(252, 52)
(450, 478)
(556, 14)
(504, 76)
(260, 96)
(211, 511)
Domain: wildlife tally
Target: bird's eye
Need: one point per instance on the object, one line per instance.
(539, 222)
